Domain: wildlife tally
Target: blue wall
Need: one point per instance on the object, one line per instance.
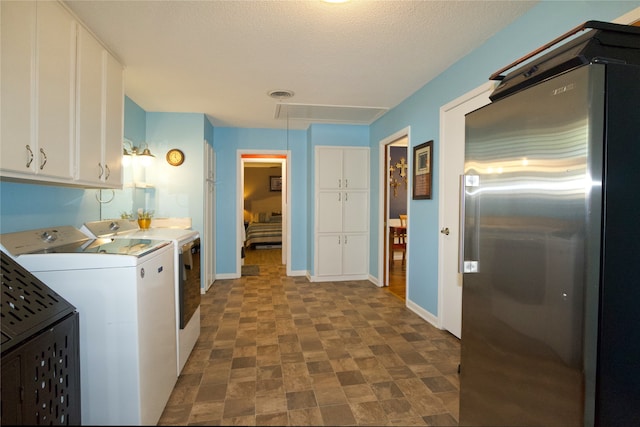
(177, 190)
(135, 122)
(31, 206)
(227, 142)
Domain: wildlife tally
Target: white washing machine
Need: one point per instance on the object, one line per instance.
(124, 292)
(187, 274)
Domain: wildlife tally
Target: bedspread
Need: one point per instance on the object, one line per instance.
(264, 233)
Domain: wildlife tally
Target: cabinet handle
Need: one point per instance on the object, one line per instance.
(44, 155)
(338, 239)
(108, 172)
(346, 197)
(339, 183)
(346, 183)
(339, 197)
(30, 156)
(101, 170)
(345, 240)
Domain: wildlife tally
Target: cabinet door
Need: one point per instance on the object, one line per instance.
(55, 77)
(355, 169)
(329, 173)
(114, 116)
(329, 211)
(329, 255)
(18, 31)
(89, 108)
(355, 251)
(355, 212)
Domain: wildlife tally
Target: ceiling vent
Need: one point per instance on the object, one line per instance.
(281, 94)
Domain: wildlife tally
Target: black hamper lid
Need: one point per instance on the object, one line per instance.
(28, 305)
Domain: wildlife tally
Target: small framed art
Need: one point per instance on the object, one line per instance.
(422, 167)
(275, 183)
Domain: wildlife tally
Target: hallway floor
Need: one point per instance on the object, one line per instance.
(398, 279)
(277, 350)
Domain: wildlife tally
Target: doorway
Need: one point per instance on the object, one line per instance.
(263, 236)
(394, 190)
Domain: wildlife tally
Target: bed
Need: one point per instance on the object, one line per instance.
(264, 230)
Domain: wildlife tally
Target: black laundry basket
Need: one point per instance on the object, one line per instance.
(40, 352)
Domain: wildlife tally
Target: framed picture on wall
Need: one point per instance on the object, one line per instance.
(422, 166)
(275, 183)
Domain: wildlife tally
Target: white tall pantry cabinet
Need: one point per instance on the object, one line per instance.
(342, 213)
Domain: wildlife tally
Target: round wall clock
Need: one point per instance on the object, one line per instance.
(175, 157)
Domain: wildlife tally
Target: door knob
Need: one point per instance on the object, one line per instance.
(445, 231)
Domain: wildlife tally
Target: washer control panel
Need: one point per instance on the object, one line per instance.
(24, 242)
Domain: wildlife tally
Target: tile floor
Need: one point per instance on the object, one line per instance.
(277, 350)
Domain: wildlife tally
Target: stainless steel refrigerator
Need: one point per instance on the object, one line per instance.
(551, 242)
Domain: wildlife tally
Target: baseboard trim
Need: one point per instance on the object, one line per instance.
(225, 276)
(423, 313)
(297, 273)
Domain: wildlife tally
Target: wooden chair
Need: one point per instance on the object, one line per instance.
(399, 240)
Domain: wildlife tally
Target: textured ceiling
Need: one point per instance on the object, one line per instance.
(221, 58)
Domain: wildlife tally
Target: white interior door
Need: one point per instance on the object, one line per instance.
(452, 137)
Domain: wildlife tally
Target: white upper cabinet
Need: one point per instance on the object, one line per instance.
(99, 114)
(53, 120)
(38, 88)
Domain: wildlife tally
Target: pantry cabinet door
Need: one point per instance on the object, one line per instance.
(329, 211)
(355, 169)
(355, 251)
(355, 218)
(329, 255)
(329, 168)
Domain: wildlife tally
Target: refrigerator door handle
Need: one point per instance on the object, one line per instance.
(463, 265)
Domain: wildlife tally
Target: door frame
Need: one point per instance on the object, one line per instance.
(448, 163)
(209, 255)
(383, 207)
(270, 156)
